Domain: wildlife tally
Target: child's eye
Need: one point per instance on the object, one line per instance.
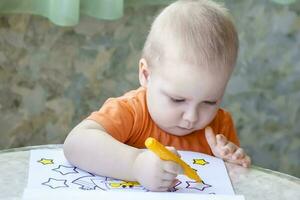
(211, 103)
(177, 100)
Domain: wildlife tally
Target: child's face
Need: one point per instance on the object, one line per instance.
(182, 98)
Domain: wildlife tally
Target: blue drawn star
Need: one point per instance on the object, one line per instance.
(56, 183)
(64, 170)
(197, 186)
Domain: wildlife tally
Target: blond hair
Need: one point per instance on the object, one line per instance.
(199, 31)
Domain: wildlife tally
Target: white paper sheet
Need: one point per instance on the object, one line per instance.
(50, 170)
(38, 194)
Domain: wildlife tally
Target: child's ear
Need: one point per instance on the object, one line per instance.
(144, 72)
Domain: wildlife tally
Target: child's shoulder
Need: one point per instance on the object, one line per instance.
(133, 98)
(134, 94)
(138, 94)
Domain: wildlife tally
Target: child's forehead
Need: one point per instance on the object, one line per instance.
(184, 65)
(189, 89)
(184, 78)
(181, 54)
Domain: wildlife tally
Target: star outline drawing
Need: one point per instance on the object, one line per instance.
(65, 170)
(52, 181)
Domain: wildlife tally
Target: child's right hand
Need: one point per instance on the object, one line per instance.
(222, 148)
(155, 174)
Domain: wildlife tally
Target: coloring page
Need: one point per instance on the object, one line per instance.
(49, 169)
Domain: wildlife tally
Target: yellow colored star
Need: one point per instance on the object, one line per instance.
(45, 161)
(124, 184)
(200, 162)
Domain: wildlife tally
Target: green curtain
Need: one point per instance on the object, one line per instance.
(65, 12)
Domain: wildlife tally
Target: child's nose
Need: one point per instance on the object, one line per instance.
(190, 116)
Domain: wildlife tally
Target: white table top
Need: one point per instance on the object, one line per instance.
(254, 183)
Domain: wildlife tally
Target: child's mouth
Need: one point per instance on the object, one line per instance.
(188, 129)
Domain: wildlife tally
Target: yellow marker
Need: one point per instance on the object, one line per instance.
(161, 151)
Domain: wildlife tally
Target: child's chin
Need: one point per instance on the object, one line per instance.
(180, 132)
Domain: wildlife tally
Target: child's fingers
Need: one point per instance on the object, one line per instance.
(173, 150)
(238, 154)
(168, 176)
(210, 137)
(166, 183)
(175, 181)
(171, 167)
(161, 189)
(229, 148)
(246, 161)
(166, 186)
(221, 140)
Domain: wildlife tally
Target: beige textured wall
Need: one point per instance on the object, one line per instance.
(52, 77)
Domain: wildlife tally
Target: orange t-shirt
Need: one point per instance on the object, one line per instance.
(127, 119)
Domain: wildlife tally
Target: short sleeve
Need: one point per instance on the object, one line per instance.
(116, 117)
(228, 129)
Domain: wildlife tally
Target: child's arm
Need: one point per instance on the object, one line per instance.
(89, 147)
(223, 148)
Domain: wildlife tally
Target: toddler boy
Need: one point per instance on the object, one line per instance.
(187, 60)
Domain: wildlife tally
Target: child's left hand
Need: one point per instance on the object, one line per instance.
(226, 150)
